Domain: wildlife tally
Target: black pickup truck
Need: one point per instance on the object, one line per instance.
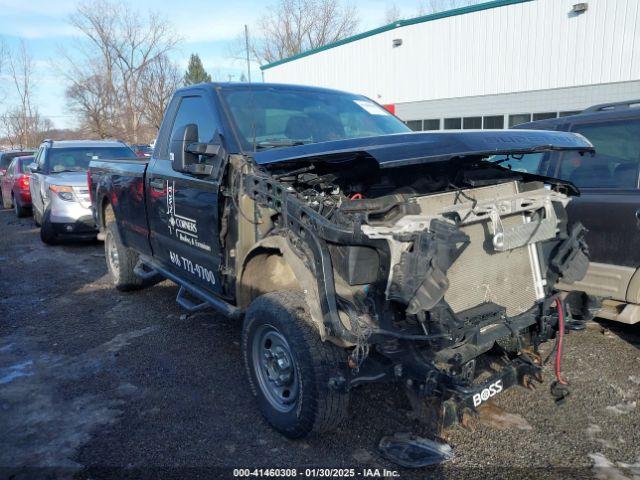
(353, 249)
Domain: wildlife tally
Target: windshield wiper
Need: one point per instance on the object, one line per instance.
(280, 143)
(507, 158)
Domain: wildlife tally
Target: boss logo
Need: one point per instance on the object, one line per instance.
(493, 389)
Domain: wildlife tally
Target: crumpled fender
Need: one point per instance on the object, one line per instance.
(304, 277)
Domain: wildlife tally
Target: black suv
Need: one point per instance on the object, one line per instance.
(609, 205)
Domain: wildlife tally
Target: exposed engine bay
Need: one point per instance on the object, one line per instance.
(423, 268)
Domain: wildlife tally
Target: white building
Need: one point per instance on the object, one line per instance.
(492, 65)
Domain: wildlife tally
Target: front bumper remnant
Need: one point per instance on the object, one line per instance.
(464, 400)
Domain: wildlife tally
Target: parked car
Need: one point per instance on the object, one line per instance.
(15, 186)
(60, 198)
(8, 155)
(142, 150)
(356, 250)
(609, 204)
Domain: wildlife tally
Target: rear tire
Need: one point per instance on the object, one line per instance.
(47, 234)
(121, 261)
(290, 367)
(19, 210)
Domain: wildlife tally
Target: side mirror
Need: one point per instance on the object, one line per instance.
(33, 167)
(185, 135)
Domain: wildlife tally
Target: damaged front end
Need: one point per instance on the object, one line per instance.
(436, 271)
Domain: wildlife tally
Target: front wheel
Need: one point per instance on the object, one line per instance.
(290, 368)
(47, 233)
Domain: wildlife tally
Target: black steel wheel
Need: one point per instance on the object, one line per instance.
(290, 368)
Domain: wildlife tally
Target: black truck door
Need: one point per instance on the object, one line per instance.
(183, 207)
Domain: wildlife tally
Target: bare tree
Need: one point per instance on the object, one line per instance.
(93, 100)
(125, 44)
(22, 122)
(392, 14)
(293, 26)
(158, 82)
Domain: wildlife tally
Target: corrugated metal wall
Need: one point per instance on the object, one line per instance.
(528, 46)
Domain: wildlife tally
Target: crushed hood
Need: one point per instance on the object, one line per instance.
(420, 147)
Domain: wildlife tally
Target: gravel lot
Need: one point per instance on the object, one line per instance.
(95, 383)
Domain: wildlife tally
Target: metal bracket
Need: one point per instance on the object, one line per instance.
(187, 304)
(523, 234)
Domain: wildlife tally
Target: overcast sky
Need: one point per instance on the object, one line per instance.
(207, 27)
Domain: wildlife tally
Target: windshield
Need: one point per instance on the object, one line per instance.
(77, 159)
(280, 118)
(527, 163)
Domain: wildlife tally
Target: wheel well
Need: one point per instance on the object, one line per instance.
(265, 270)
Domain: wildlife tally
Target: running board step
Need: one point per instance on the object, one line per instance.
(146, 272)
(207, 299)
(188, 304)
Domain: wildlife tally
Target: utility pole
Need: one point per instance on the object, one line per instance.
(246, 42)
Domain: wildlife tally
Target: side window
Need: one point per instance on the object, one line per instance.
(194, 109)
(617, 159)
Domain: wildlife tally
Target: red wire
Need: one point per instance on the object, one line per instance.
(560, 341)
(357, 196)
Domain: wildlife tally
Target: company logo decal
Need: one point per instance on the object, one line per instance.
(183, 228)
(491, 391)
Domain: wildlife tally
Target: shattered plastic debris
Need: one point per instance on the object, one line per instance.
(411, 451)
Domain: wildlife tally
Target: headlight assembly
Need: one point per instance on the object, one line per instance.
(63, 191)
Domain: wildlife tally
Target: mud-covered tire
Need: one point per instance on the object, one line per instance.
(19, 210)
(121, 261)
(47, 233)
(317, 407)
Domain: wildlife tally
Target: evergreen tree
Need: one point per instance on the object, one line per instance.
(195, 71)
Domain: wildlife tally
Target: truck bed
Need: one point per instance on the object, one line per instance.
(122, 180)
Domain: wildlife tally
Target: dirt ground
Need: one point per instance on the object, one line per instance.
(95, 383)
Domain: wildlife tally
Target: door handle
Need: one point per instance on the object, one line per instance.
(157, 184)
